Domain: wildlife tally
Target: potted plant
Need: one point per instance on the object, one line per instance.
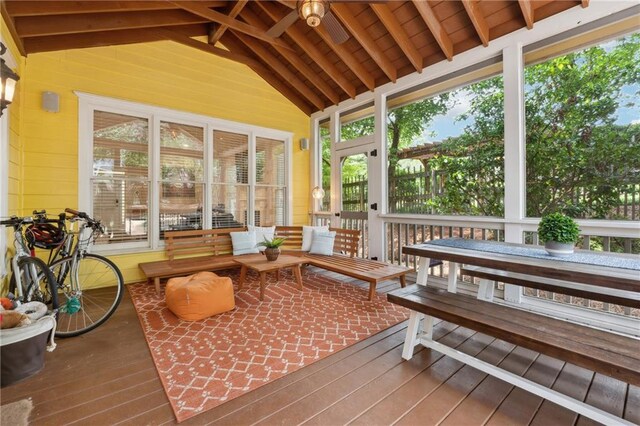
(272, 247)
(559, 232)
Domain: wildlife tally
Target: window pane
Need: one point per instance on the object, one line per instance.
(121, 205)
(446, 152)
(325, 141)
(357, 123)
(120, 168)
(270, 162)
(230, 157)
(583, 130)
(182, 175)
(270, 205)
(230, 204)
(180, 206)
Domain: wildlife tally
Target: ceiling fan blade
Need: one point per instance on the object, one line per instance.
(335, 29)
(282, 25)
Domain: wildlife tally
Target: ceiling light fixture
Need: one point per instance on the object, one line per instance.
(8, 81)
(313, 11)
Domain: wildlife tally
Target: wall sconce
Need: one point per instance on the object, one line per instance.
(317, 193)
(8, 81)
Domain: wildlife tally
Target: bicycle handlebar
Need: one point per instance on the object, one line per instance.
(82, 215)
(16, 221)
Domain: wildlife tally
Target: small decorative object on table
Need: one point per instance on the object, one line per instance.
(559, 232)
(272, 247)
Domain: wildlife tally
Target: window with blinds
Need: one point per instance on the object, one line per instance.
(230, 186)
(270, 191)
(120, 178)
(181, 177)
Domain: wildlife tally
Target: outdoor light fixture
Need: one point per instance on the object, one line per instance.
(8, 80)
(313, 11)
(317, 193)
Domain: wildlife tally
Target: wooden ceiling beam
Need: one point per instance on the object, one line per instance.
(230, 41)
(295, 60)
(37, 8)
(38, 26)
(435, 26)
(398, 33)
(198, 9)
(312, 51)
(280, 69)
(348, 58)
(527, 12)
(235, 11)
(206, 47)
(365, 40)
(478, 21)
(101, 39)
(8, 19)
(585, 3)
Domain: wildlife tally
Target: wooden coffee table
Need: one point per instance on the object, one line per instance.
(260, 264)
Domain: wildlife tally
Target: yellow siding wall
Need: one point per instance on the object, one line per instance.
(163, 74)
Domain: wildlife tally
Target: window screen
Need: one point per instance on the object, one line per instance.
(230, 188)
(270, 181)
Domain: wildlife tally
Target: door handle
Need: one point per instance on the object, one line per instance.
(337, 214)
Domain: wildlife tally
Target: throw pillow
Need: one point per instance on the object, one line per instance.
(244, 243)
(323, 242)
(307, 235)
(262, 232)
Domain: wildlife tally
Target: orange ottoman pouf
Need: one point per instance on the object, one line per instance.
(199, 296)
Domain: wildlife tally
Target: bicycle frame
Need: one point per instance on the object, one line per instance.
(21, 250)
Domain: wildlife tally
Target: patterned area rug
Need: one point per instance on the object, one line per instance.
(206, 363)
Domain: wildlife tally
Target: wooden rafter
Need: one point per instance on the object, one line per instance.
(8, 19)
(435, 26)
(36, 8)
(478, 21)
(206, 47)
(101, 38)
(231, 42)
(198, 9)
(235, 11)
(38, 26)
(312, 51)
(398, 33)
(365, 39)
(296, 61)
(527, 12)
(585, 3)
(280, 69)
(348, 58)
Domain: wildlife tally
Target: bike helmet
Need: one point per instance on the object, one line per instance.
(44, 235)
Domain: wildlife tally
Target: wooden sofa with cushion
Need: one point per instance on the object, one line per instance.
(189, 252)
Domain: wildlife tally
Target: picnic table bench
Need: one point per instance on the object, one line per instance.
(613, 354)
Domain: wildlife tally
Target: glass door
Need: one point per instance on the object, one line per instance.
(354, 190)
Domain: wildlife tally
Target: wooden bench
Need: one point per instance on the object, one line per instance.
(192, 251)
(209, 250)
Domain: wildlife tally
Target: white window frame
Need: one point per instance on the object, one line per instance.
(88, 103)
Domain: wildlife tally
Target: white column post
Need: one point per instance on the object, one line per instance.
(377, 179)
(514, 152)
(336, 178)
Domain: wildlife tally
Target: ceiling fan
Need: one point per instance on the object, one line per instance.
(314, 12)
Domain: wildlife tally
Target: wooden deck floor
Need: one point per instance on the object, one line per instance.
(108, 377)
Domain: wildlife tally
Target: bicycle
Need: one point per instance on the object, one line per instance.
(31, 279)
(92, 285)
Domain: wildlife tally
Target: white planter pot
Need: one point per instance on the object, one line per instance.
(555, 248)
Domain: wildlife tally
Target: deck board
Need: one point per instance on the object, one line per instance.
(108, 377)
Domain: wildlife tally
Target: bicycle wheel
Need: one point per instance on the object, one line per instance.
(37, 282)
(88, 292)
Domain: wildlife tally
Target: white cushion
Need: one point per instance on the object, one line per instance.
(307, 235)
(262, 232)
(322, 242)
(244, 243)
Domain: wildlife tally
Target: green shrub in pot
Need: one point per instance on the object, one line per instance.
(559, 232)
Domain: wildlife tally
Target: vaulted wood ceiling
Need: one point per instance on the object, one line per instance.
(388, 39)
